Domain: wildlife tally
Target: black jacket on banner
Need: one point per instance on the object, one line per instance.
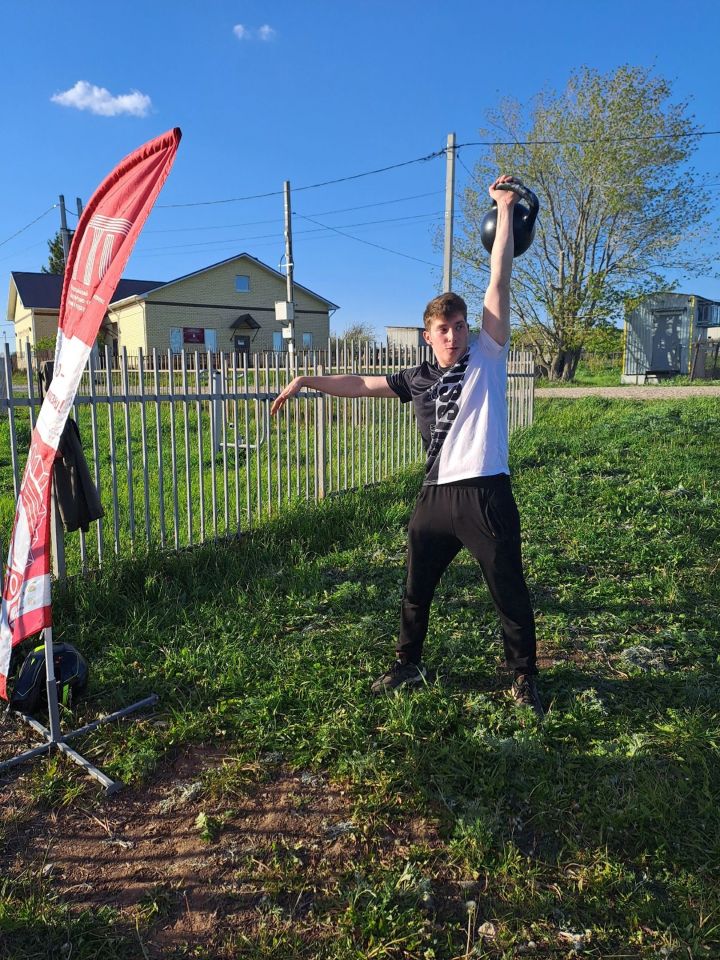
(77, 496)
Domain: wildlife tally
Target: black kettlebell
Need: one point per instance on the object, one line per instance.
(523, 219)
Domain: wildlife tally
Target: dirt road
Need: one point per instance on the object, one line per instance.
(629, 393)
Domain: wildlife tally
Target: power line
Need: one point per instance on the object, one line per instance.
(278, 219)
(278, 234)
(28, 225)
(440, 153)
(369, 243)
(310, 186)
(705, 183)
(465, 168)
(588, 140)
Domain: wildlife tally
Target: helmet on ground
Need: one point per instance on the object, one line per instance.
(71, 677)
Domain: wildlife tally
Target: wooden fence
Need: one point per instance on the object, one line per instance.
(183, 449)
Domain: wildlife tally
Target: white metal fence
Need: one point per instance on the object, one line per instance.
(183, 449)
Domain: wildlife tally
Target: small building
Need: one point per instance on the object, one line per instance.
(226, 307)
(661, 334)
(403, 337)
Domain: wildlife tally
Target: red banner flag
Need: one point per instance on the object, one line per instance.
(103, 242)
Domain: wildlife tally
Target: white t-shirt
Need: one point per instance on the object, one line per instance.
(461, 412)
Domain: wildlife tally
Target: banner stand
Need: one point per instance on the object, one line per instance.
(101, 246)
(56, 740)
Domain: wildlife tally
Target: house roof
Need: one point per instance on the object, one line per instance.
(240, 256)
(43, 291)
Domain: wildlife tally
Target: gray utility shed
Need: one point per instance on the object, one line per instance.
(405, 336)
(661, 332)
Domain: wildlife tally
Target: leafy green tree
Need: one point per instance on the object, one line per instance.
(358, 331)
(608, 158)
(56, 256)
(604, 340)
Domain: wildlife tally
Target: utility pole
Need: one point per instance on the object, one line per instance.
(79, 205)
(285, 309)
(288, 244)
(64, 232)
(449, 212)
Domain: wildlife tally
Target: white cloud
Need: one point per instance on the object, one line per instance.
(86, 96)
(265, 32)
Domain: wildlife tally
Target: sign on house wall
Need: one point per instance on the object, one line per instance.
(193, 335)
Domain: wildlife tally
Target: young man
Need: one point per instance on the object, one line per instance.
(466, 498)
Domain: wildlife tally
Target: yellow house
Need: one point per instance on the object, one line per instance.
(229, 306)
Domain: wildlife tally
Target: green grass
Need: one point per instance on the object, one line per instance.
(609, 375)
(602, 823)
(594, 374)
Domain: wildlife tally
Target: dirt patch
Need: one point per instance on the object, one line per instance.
(628, 393)
(194, 866)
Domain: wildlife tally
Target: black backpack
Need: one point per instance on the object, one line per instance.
(71, 677)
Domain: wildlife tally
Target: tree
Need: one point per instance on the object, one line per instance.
(56, 256)
(614, 211)
(358, 331)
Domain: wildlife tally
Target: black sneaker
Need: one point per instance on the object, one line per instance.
(400, 675)
(525, 693)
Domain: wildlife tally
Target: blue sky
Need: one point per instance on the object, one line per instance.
(306, 91)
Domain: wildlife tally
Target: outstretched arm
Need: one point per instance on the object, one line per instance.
(496, 309)
(342, 385)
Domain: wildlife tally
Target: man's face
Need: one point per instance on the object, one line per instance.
(448, 336)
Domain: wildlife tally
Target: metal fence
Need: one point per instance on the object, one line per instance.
(183, 449)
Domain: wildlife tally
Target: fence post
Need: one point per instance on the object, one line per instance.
(4, 378)
(320, 438)
(218, 410)
(695, 352)
(57, 536)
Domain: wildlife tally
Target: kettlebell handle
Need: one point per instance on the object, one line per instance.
(525, 193)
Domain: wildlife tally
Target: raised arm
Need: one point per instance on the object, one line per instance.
(496, 309)
(340, 385)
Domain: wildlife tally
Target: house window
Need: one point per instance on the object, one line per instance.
(242, 284)
(277, 341)
(307, 341)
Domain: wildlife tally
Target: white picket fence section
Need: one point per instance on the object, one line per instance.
(183, 449)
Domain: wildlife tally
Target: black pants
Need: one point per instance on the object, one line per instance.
(485, 519)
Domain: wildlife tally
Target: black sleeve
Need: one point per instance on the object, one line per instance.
(400, 383)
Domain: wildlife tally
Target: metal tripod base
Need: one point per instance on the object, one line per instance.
(111, 786)
(56, 740)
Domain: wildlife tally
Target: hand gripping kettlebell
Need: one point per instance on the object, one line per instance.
(523, 219)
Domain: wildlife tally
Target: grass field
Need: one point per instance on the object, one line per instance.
(609, 375)
(591, 375)
(596, 832)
